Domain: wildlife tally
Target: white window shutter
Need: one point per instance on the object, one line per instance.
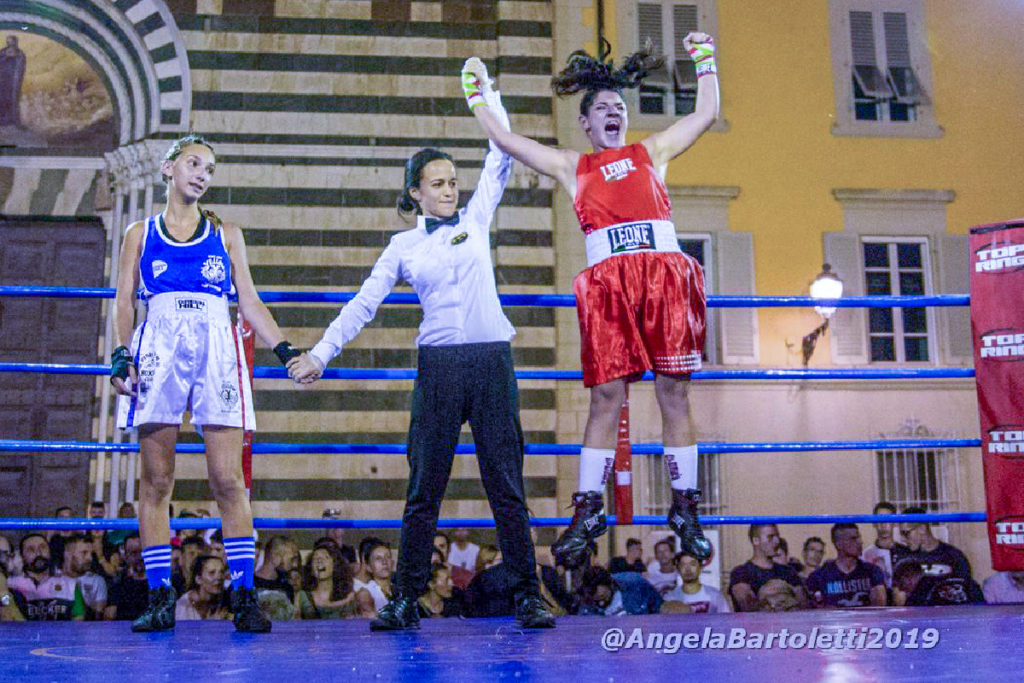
(649, 26)
(848, 328)
(954, 278)
(735, 263)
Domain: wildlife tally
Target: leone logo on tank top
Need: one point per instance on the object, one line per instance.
(631, 237)
(617, 170)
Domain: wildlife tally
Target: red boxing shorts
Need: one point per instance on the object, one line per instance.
(638, 312)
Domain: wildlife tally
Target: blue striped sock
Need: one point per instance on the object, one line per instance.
(157, 559)
(241, 552)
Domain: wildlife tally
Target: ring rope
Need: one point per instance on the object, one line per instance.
(562, 300)
(32, 445)
(68, 523)
(277, 372)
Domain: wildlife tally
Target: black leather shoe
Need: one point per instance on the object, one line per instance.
(400, 614)
(159, 614)
(588, 522)
(249, 616)
(531, 612)
(682, 519)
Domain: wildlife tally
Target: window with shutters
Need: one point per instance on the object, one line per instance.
(671, 91)
(895, 242)
(881, 67)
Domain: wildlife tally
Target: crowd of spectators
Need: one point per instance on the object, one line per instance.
(99, 575)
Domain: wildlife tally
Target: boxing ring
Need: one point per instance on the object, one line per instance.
(892, 644)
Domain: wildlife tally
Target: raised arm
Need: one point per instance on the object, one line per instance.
(559, 164)
(680, 136)
(495, 174)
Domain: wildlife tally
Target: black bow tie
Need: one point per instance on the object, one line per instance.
(433, 224)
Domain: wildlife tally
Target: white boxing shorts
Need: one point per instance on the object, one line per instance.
(189, 356)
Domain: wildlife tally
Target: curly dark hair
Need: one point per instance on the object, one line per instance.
(591, 75)
(341, 580)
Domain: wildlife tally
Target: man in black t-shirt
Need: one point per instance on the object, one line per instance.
(746, 579)
(935, 557)
(847, 581)
(129, 593)
(632, 562)
(921, 589)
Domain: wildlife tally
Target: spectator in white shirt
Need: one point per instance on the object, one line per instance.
(463, 552)
(691, 592)
(465, 370)
(661, 572)
(1004, 588)
(78, 552)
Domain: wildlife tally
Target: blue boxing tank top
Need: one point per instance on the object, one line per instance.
(198, 265)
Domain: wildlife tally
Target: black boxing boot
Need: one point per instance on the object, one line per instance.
(400, 614)
(588, 522)
(531, 612)
(249, 616)
(159, 614)
(682, 519)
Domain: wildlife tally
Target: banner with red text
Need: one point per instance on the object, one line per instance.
(997, 326)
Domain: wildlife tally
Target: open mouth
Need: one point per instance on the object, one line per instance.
(612, 127)
(196, 187)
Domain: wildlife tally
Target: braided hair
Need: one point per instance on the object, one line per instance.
(591, 75)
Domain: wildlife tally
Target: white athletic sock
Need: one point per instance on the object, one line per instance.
(681, 464)
(595, 467)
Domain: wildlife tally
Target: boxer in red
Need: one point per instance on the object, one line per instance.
(640, 300)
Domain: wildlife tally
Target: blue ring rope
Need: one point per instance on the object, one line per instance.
(31, 445)
(564, 300)
(278, 372)
(72, 524)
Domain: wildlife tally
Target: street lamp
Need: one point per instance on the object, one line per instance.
(826, 285)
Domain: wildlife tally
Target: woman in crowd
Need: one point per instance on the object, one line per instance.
(327, 586)
(440, 600)
(205, 597)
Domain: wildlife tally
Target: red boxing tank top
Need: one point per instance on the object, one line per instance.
(619, 186)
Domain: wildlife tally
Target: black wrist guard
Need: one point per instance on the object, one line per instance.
(285, 352)
(120, 359)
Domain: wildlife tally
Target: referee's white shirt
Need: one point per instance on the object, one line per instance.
(450, 269)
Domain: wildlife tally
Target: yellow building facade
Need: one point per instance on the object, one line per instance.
(797, 173)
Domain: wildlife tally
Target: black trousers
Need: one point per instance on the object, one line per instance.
(456, 384)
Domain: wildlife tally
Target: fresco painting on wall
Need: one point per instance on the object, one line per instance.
(51, 98)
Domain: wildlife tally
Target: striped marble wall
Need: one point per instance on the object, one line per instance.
(313, 108)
